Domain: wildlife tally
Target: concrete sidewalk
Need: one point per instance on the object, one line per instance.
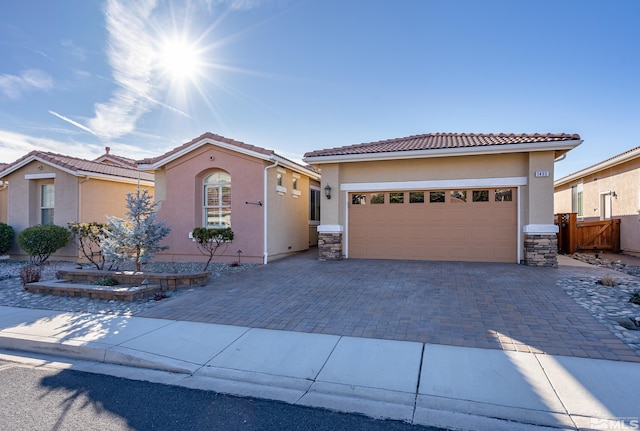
(430, 384)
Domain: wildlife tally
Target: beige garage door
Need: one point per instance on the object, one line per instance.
(477, 225)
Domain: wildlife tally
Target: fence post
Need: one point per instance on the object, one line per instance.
(573, 232)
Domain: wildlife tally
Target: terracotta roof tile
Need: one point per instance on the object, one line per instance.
(432, 141)
(208, 135)
(76, 165)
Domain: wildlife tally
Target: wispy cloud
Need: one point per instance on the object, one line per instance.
(234, 4)
(70, 121)
(74, 49)
(14, 86)
(15, 145)
(131, 56)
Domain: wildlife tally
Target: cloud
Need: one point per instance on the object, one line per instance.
(234, 4)
(14, 86)
(70, 121)
(131, 55)
(75, 50)
(15, 145)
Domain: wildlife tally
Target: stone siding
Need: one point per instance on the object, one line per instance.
(330, 246)
(541, 250)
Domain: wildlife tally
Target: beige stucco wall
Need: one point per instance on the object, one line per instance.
(535, 200)
(624, 180)
(4, 193)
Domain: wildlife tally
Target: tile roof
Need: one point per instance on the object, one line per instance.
(76, 165)
(125, 162)
(433, 141)
(208, 135)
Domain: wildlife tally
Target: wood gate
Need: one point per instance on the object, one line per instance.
(578, 236)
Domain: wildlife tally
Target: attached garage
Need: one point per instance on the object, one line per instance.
(443, 196)
(476, 225)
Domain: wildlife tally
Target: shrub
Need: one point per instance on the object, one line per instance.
(106, 281)
(210, 240)
(6, 238)
(42, 240)
(30, 274)
(90, 236)
(607, 281)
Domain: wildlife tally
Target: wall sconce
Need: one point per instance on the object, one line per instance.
(614, 195)
(327, 191)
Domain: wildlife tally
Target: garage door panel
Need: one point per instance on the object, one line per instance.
(450, 230)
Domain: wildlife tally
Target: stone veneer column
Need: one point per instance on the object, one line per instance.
(329, 242)
(541, 245)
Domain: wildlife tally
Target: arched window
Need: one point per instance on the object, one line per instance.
(217, 200)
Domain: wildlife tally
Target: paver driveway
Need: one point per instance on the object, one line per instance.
(486, 305)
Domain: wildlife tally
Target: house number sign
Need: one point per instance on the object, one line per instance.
(542, 173)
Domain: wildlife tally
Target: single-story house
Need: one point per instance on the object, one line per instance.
(608, 189)
(442, 196)
(48, 188)
(271, 203)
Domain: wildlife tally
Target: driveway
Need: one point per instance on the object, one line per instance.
(485, 305)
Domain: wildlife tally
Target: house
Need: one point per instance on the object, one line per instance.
(609, 189)
(48, 188)
(271, 203)
(442, 196)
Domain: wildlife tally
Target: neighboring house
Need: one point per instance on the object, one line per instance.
(48, 188)
(272, 204)
(444, 196)
(609, 189)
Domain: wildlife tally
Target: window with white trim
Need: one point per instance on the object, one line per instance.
(47, 202)
(217, 200)
(577, 200)
(314, 204)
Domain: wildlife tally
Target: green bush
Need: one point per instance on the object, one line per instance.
(42, 240)
(106, 281)
(6, 238)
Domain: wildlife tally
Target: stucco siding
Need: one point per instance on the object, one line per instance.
(4, 193)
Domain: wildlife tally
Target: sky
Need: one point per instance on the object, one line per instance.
(145, 76)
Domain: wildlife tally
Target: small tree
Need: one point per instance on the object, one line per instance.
(136, 238)
(42, 240)
(90, 237)
(210, 240)
(6, 238)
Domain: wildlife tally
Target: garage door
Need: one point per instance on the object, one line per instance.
(477, 225)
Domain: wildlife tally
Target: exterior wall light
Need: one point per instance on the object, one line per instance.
(327, 191)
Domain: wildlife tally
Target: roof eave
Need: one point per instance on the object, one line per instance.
(446, 152)
(295, 166)
(614, 161)
(160, 163)
(26, 161)
(115, 178)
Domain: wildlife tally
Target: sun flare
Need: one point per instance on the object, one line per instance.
(179, 59)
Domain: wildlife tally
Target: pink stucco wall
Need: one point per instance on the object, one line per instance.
(181, 203)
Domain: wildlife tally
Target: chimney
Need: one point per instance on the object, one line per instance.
(107, 149)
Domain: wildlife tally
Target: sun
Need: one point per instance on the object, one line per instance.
(179, 59)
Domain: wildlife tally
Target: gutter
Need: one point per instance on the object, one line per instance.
(265, 213)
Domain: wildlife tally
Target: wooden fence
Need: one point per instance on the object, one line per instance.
(577, 236)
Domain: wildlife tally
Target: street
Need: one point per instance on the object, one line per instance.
(39, 398)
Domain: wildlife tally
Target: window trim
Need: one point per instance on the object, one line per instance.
(42, 203)
(221, 206)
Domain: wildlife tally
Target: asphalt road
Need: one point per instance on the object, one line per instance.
(51, 399)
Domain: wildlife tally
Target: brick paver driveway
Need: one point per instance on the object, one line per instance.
(486, 305)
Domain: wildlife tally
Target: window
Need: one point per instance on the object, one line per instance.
(504, 195)
(576, 199)
(458, 196)
(294, 183)
(358, 199)
(279, 179)
(396, 198)
(314, 205)
(47, 199)
(416, 197)
(436, 196)
(480, 196)
(217, 200)
(377, 198)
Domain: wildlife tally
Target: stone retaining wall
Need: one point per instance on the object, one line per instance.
(541, 250)
(167, 281)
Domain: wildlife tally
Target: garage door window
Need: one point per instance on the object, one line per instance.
(436, 197)
(357, 199)
(396, 198)
(377, 198)
(504, 195)
(481, 195)
(458, 196)
(416, 197)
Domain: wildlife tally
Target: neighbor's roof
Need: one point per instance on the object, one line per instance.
(445, 143)
(77, 166)
(626, 156)
(232, 144)
(109, 158)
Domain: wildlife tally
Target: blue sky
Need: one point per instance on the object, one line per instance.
(301, 75)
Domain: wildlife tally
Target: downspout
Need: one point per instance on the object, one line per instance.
(266, 213)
